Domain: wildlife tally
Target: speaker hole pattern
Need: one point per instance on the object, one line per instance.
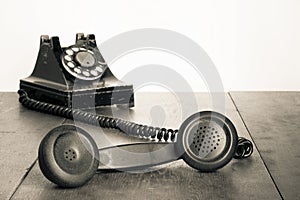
(70, 155)
(206, 139)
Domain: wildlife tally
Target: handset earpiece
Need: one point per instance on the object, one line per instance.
(207, 141)
(68, 156)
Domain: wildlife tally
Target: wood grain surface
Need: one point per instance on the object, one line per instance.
(273, 119)
(240, 179)
(20, 133)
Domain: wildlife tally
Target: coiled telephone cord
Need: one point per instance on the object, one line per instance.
(244, 149)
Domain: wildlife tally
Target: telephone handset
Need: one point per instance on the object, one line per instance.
(206, 140)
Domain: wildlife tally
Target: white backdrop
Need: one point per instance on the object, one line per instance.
(255, 44)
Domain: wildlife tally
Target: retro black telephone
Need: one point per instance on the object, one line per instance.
(69, 157)
(57, 69)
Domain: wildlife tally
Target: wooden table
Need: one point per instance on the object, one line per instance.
(271, 119)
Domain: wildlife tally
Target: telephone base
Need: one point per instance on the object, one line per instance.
(85, 97)
(76, 76)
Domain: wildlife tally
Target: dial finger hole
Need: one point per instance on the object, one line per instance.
(77, 70)
(94, 72)
(71, 64)
(68, 58)
(86, 73)
(76, 49)
(69, 52)
(99, 69)
(101, 63)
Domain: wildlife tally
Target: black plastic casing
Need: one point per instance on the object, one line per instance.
(50, 83)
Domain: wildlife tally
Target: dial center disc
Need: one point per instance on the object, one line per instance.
(85, 59)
